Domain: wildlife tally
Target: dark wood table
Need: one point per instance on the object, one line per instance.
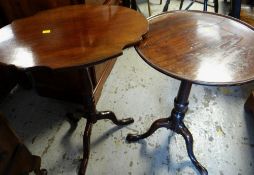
(85, 36)
(196, 47)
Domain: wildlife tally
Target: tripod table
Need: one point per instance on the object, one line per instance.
(196, 47)
(81, 38)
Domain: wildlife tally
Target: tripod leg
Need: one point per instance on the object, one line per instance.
(156, 125)
(111, 116)
(189, 145)
(86, 148)
(177, 116)
(37, 166)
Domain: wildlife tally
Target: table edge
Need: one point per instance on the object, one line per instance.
(186, 79)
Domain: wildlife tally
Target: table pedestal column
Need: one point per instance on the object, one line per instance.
(175, 123)
(92, 116)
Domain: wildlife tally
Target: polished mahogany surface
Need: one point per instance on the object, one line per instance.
(57, 39)
(203, 48)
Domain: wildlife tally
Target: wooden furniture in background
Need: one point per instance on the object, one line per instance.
(247, 15)
(13, 9)
(196, 47)
(59, 41)
(249, 104)
(15, 158)
(62, 85)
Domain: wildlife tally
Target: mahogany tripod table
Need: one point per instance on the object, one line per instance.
(79, 39)
(196, 47)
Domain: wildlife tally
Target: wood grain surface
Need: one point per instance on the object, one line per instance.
(201, 47)
(70, 36)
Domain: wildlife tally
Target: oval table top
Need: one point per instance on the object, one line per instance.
(70, 36)
(200, 47)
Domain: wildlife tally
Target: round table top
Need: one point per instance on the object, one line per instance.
(200, 47)
(70, 36)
